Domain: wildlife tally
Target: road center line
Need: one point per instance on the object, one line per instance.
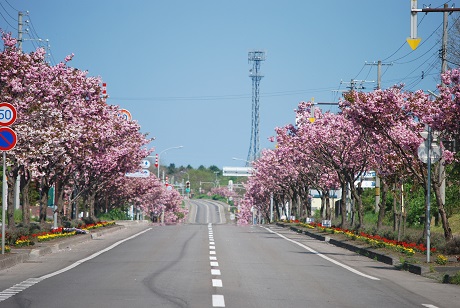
(323, 256)
(217, 299)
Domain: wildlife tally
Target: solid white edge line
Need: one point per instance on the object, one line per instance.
(5, 294)
(324, 257)
(94, 255)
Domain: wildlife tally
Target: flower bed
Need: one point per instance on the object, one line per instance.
(375, 241)
(29, 240)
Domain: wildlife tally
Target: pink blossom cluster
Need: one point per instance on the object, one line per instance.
(378, 130)
(68, 137)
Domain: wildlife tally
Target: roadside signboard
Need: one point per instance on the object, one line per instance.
(144, 173)
(238, 171)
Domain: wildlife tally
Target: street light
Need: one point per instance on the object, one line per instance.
(158, 170)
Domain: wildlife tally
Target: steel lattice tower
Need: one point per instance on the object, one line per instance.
(255, 57)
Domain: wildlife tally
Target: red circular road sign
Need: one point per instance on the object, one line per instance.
(7, 114)
(8, 139)
(125, 114)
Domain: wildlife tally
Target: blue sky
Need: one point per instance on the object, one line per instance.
(180, 67)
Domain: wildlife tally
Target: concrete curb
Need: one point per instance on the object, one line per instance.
(364, 251)
(21, 255)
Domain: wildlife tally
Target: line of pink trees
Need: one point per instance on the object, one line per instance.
(69, 138)
(378, 131)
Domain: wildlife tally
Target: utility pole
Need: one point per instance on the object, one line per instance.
(442, 177)
(379, 85)
(414, 40)
(20, 31)
(355, 84)
(445, 10)
(379, 72)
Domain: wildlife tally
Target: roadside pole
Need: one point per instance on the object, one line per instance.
(8, 141)
(4, 195)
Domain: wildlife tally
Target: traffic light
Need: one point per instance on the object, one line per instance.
(187, 185)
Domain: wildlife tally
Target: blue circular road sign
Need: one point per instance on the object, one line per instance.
(8, 139)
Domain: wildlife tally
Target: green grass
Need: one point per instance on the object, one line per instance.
(454, 223)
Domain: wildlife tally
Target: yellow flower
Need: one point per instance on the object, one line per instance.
(441, 260)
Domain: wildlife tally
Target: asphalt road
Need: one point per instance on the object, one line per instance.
(211, 262)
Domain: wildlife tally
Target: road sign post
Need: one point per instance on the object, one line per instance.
(8, 141)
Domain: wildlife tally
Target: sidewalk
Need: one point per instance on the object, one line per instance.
(432, 270)
(20, 255)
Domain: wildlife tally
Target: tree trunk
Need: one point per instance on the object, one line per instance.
(60, 201)
(382, 204)
(25, 201)
(395, 209)
(442, 212)
(356, 192)
(323, 206)
(309, 201)
(91, 202)
(43, 202)
(11, 180)
(343, 206)
(277, 208)
(328, 206)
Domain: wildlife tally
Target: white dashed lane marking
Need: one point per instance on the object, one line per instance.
(217, 283)
(217, 299)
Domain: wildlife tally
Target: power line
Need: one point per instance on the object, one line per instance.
(7, 12)
(11, 6)
(434, 45)
(224, 97)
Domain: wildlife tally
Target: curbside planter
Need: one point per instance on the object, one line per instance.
(364, 251)
(315, 236)
(367, 252)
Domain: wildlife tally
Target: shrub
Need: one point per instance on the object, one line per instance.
(455, 279)
(12, 235)
(453, 246)
(115, 214)
(88, 220)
